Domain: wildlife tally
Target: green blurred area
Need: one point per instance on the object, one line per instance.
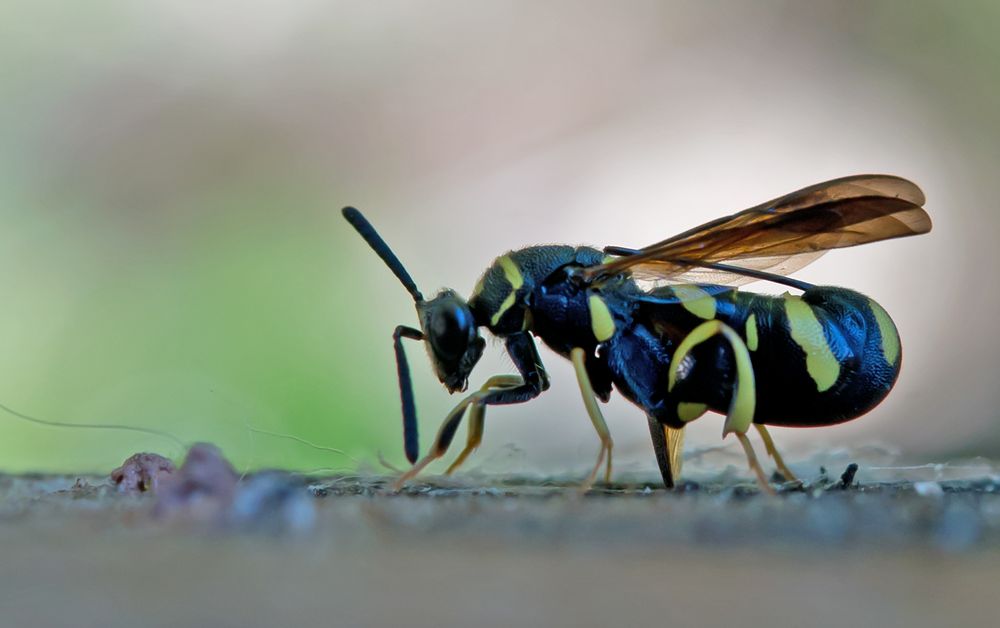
(171, 271)
(232, 318)
(171, 249)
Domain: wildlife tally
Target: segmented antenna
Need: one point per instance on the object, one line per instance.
(374, 240)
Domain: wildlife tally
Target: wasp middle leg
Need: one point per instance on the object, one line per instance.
(578, 357)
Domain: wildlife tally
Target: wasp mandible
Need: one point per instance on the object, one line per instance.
(668, 328)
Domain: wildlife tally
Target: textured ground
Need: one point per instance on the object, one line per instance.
(287, 550)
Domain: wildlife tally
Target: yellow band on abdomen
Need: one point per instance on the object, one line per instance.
(807, 332)
(887, 330)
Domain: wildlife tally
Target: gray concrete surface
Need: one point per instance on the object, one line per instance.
(346, 552)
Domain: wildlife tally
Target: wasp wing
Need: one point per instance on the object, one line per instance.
(783, 235)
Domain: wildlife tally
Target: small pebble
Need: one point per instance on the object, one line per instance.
(273, 502)
(202, 488)
(928, 489)
(142, 473)
(848, 476)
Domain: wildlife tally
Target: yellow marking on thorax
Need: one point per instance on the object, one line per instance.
(506, 305)
(751, 329)
(601, 322)
(688, 412)
(695, 300)
(516, 280)
(511, 272)
(807, 332)
(887, 330)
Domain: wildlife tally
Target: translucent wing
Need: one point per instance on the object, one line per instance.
(782, 235)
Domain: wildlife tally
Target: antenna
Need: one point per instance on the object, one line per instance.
(374, 240)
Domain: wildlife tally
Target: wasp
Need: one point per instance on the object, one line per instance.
(667, 326)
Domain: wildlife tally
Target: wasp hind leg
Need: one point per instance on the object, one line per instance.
(578, 357)
(743, 400)
(773, 452)
(754, 463)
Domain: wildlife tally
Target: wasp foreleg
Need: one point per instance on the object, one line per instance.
(410, 439)
(477, 417)
(444, 437)
(505, 389)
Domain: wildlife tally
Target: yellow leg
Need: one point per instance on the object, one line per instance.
(477, 417)
(743, 403)
(578, 357)
(773, 452)
(744, 399)
(675, 448)
(754, 464)
(435, 451)
(475, 433)
(477, 423)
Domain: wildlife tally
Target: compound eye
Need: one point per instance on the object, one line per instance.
(450, 325)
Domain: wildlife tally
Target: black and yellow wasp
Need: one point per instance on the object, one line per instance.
(666, 326)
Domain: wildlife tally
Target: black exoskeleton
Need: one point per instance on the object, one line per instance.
(647, 323)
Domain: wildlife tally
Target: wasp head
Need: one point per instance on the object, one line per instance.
(446, 322)
(452, 337)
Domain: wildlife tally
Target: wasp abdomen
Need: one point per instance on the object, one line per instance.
(821, 358)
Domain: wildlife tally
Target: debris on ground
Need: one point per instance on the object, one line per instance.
(953, 507)
(928, 489)
(202, 488)
(847, 478)
(274, 502)
(206, 488)
(142, 473)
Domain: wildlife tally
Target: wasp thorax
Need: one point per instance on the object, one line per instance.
(453, 340)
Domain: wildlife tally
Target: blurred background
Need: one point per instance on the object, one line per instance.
(172, 254)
